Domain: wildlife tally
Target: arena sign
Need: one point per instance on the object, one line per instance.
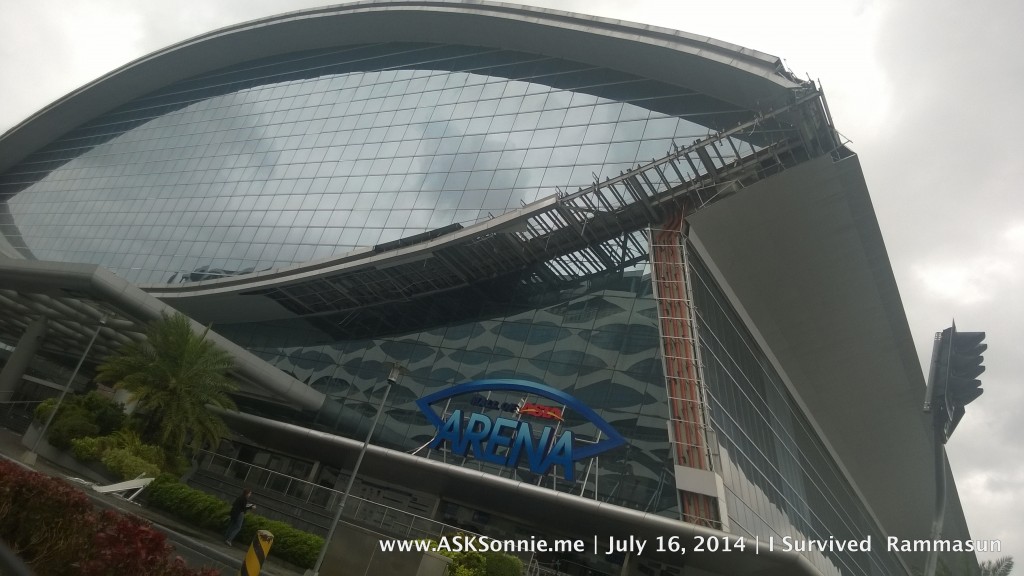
(505, 441)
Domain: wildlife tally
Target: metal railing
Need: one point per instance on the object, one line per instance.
(17, 415)
(385, 519)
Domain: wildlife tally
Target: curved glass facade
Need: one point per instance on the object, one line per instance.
(297, 158)
(306, 156)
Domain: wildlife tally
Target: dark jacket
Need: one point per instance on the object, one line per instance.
(240, 505)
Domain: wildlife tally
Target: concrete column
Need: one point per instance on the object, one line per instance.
(30, 341)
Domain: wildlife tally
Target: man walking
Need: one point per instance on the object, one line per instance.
(238, 509)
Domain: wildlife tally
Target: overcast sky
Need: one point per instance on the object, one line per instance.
(927, 91)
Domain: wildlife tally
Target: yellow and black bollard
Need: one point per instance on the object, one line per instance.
(257, 554)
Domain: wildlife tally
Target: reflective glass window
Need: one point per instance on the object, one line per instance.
(254, 145)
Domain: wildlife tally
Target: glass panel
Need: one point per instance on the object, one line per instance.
(225, 167)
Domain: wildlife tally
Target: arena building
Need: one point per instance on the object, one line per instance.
(631, 278)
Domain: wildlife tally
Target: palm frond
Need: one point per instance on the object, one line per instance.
(998, 567)
(173, 375)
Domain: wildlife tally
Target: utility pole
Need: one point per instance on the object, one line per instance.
(396, 371)
(30, 456)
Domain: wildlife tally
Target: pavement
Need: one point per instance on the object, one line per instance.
(198, 546)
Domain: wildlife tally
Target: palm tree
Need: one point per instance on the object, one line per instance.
(998, 567)
(174, 374)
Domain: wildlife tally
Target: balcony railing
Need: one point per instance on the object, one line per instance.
(385, 519)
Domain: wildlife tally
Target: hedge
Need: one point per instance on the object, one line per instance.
(70, 425)
(500, 564)
(54, 528)
(90, 448)
(124, 453)
(472, 563)
(202, 509)
(40, 518)
(128, 466)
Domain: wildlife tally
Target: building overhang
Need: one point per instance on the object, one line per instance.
(745, 78)
(78, 299)
(802, 257)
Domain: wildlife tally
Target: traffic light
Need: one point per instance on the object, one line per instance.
(958, 363)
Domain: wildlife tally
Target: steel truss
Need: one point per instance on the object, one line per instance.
(557, 240)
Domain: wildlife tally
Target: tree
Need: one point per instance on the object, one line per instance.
(174, 374)
(998, 567)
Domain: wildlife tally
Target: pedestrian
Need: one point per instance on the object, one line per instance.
(238, 510)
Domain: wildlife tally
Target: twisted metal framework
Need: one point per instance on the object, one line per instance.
(557, 240)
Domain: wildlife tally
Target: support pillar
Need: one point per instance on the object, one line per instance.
(699, 500)
(30, 341)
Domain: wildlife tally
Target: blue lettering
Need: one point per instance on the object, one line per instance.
(475, 435)
(534, 452)
(450, 432)
(486, 439)
(497, 440)
(561, 454)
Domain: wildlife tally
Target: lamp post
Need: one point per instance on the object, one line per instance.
(396, 371)
(30, 456)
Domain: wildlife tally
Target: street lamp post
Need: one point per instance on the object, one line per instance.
(396, 371)
(30, 456)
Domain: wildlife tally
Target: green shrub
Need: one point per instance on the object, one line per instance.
(196, 507)
(152, 454)
(69, 425)
(131, 441)
(201, 509)
(291, 544)
(471, 563)
(144, 457)
(176, 463)
(500, 564)
(90, 448)
(127, 465)
(43, 410)
(105, 412)
(79, 417)
(127, 439)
